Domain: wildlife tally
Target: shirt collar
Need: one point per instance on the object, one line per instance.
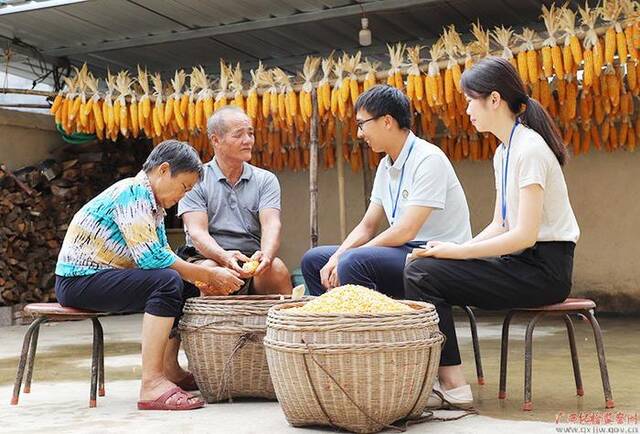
(143, 179)
(402, 157)
(247, 171)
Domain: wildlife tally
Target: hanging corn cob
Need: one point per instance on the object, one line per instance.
(84, 109)
(204, 99)
(309, 70)
(145, 120)
(252, 95)
(287, 98)
(351, 67)
(223, 86)
(551, 52)
(434, 85)
(120, 109)
(270, 95)
(571, 42)
(631, 12)
(157, 113)
(95, 107)
(236, 87)
(593, 55)
(370, 69)
(324, 88)
(396, 54)
(178, 102)
(415, 84)
(67, 104)
(480, 47)
(504, 37)
(528, 57)
(615, 40)
(453, 47)
(340, 92)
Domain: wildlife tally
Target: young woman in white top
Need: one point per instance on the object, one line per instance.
(524, 257)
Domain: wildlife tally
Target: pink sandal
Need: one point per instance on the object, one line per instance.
(180, 402)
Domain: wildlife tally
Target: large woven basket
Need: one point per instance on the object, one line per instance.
(357, 372)
(222, 337)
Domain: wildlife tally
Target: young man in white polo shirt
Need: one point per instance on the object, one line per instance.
(415, 189)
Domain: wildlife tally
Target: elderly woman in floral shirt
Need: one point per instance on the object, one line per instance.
(115, 258)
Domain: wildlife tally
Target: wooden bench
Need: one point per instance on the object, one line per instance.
(582, 307)
(53, 312)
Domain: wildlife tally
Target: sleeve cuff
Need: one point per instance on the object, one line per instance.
(525, 182)
(161, 260)
(183, 211)
(427, 203)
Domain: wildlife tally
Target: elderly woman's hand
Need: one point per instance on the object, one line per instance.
(219, 281)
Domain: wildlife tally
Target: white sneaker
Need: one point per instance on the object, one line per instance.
(460, 397)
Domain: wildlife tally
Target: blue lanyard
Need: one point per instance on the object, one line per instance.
(505, 168)
(395, 202)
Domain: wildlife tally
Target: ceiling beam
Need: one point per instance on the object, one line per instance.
(184, 35)
(7, 8)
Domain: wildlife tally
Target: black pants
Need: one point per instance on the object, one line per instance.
(538, 276)
(159, 292)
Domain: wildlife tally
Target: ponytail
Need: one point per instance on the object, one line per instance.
(538, 119)
(497, 74)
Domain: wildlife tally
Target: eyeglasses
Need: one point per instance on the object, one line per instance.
(359, 124)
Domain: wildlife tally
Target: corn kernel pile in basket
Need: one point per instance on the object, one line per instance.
(353, 299)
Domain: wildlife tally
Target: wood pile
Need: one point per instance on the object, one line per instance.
(36, 205)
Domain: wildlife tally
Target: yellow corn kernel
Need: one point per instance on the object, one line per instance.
(523, 66)
(250, 266)
(547, 62)
(133, 111)
(556, 57)
(353, 299)
(609, 45)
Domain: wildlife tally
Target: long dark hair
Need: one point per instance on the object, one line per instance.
(495, 74)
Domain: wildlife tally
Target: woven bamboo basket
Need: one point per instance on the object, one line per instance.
(222, 337)
(359, 372)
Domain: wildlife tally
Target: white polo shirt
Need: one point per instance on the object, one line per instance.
(428, 180)
(531, 161)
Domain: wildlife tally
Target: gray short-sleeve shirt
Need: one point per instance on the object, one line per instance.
(233, 210)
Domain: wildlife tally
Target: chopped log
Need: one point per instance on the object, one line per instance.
(36, 206)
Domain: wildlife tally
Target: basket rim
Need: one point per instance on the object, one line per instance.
(244, 299)
(280, 309)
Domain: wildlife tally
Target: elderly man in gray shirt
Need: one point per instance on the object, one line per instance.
(233, 215)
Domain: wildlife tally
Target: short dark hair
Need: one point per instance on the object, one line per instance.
(383, 100)
(180, 155)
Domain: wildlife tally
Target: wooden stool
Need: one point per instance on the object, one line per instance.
(50, 312)
(579, 306)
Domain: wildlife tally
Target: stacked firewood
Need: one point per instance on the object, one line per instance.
(36, 205)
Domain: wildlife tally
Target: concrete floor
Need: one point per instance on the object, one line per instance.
(59, 397)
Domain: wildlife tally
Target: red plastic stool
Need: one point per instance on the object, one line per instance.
(579, 306)
(50, 312)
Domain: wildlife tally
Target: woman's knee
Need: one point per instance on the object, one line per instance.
(418, 278)
(168, 289)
